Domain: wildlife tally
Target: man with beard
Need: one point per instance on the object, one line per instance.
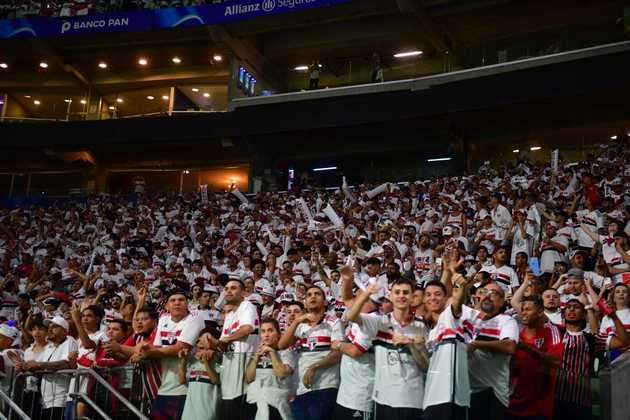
(533, 369)
(176, 331)
(494, 338)
(318, 369)
(238, 338)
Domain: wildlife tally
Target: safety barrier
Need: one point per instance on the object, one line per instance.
(47, 394)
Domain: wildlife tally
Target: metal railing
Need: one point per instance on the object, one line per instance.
(47, 394)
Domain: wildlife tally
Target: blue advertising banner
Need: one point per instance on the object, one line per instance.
(152, 19)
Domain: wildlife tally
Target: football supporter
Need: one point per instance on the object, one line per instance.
(317, 362)
(400, 356)
(535, 362)
(176, 331)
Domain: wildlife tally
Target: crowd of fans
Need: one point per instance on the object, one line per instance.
(12, 9)
(490, 296)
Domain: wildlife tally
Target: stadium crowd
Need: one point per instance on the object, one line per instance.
(13, 9)
(490, 296)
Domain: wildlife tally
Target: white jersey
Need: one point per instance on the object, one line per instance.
(235, 359)
(398, 379)
(313, 345)
(594, 222)
(446, 344)
(549, 255)
(504, 276)
(423, 265)
(203, 397)
(612, 257)
(168, 333)
(608, 326)
(357, 374)
(269, 390)
(491, 370)
(55, 387)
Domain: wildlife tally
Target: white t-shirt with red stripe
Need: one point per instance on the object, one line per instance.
(612, 257)
(446, 344)
(504, 276)
(169, 333)
(357, 374)
(608, 326)
(488, 369)
(313, 345)
(398, 379)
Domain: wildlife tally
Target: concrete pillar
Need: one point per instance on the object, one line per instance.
(28, 184)
(100, 180)
(171, 101)
(233, 91)
(3, 113)
(11, 185)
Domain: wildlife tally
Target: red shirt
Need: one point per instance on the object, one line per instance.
(533, 386)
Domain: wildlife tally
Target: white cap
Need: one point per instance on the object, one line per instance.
(58, 320)
(9, 332)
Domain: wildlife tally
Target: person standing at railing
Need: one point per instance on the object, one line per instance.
(31, 400)
(60, 353)
(87, 323)
(176, 331)
(199, 370)
(8, 337)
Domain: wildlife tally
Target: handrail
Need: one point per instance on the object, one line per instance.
(109, 387)
(91, 403)
(76, 373)
(16, 408)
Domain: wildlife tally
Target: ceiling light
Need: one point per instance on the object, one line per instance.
(3, 65)
(206, 95)
(27, 96)
(217, 57)
(36, 102)
(613, 137)
(143, 62)
(43, 65)
(186, 171)
(534, 148)
(408, 54)
(150, 97)
(326, 168)
(119, 100)
(195, 90)
(301, 68)
(102, 65)
(516, 150)
(112, 108)
(176, 60)
(67, 100)
(83, 102)
(439, 159)
(165, 97)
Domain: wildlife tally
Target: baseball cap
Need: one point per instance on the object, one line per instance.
(575, 273)
(576, 252)
(267, 291)
(59, 321)
(9, 331)
(209, 288)
(447, 231)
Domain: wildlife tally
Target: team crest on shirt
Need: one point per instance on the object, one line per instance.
(311, 342)
(539, 342)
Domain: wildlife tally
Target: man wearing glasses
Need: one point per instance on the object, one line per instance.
(494, 338)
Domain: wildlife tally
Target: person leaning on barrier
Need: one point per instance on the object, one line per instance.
(60, 353)
(176, 331)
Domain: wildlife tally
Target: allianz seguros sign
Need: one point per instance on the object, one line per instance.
(152, 19)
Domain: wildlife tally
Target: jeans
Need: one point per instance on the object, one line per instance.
(315, 405)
